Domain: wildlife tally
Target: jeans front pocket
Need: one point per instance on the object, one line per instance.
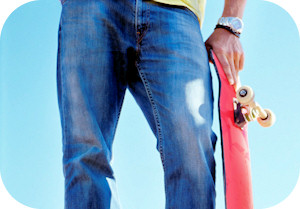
(188, 11)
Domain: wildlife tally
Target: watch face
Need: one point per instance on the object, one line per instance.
(237, 24)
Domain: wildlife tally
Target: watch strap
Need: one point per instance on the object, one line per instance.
(228, 29)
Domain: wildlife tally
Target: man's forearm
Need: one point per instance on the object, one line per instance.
(234, 8)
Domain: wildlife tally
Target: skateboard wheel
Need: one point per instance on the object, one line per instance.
(269, 121)
(245, 95)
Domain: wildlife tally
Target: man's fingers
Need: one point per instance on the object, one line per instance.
(226, 67)
(237, 62)
(233, 70)
(228, 50)
(241, 60)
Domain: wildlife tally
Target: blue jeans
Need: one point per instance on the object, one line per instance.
(155, 51)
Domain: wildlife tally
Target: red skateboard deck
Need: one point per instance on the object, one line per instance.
(235, 148)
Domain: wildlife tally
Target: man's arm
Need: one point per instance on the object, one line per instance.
(226, 45)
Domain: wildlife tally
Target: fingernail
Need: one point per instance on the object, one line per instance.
(231, 81)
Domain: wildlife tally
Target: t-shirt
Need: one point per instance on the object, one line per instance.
(196, 6)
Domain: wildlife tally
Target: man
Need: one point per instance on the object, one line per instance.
(155, 49)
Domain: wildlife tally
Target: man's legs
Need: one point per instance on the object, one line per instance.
(172, 85)
(91, 84)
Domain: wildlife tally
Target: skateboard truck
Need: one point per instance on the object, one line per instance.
(246, 109)
(239, 117)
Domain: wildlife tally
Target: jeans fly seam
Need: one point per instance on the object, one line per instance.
(155, 113)
(147, 87)
(140, 38)
(136, 16)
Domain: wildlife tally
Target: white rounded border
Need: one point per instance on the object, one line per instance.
(7, 201)
(291, 6)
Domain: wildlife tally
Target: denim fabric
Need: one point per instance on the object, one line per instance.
(155, 51)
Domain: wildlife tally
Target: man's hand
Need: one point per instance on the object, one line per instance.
(228, 50)
(226, 45)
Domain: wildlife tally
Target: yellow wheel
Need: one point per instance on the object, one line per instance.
(245, 95)
(269, 121)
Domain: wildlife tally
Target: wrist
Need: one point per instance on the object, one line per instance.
(228, 30)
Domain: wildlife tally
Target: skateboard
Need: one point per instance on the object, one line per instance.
(236, 109)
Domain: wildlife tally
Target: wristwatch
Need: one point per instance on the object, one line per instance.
(234, 24)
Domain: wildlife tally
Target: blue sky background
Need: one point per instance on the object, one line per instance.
(30, 134)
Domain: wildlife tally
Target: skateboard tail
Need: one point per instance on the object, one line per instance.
(235, 149)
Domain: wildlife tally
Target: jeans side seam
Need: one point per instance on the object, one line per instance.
(62, 94)
(62, 2)
(118, 117)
